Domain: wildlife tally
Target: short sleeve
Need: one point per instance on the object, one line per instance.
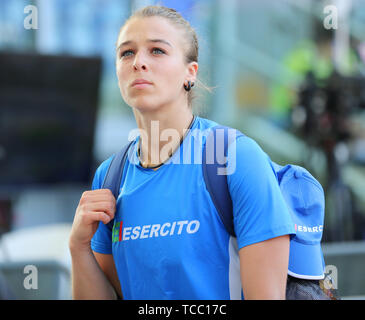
(259, 209)
(101, 242)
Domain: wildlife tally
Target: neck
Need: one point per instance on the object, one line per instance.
(161, 132)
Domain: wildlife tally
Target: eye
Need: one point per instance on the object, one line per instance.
(126, 53)
(158, 51)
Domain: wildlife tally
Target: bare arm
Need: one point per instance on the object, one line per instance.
(264, 268)
(106, 263)
(93, 276)
(88, 279)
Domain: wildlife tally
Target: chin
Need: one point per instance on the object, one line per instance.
(144, 104)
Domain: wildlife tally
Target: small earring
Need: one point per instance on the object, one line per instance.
(188, 86)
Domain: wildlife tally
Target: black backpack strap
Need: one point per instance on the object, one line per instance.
(216, 184)
(113, 176)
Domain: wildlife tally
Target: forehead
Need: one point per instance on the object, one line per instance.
(141, 29)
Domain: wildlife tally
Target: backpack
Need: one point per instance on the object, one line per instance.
(306, 279)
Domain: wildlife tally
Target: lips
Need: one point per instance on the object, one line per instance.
(141, 83)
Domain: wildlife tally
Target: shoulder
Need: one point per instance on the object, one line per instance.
(101, 172)
(243, 144)
(103, 168)
(246, 159)
(249, 148)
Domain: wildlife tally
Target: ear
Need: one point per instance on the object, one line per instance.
(192, 71)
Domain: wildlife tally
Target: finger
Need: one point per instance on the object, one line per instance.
(105, 192)
(107, 207)
(92, 217)
(97, 195)
(104, 217)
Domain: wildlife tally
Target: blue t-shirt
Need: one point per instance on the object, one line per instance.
(168, 241)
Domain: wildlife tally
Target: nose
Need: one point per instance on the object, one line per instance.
(139, 63)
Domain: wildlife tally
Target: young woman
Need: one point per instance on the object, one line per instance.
(168, 241)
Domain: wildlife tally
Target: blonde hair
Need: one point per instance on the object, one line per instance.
(192, 53)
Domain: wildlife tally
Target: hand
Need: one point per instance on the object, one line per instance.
(94, 206)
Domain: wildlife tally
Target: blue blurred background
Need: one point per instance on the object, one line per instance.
(276, 73)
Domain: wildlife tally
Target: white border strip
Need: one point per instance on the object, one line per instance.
(235, 284)
(301, 276)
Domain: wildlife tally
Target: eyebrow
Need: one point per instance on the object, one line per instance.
(150, 40)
